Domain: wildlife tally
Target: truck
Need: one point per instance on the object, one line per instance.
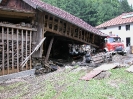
(114, 45)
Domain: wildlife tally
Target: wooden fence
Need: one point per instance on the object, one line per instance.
(15, 46)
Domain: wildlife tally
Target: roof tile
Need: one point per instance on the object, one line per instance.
(67, 16)
(118, 20)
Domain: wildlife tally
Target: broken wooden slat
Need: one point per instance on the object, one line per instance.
(98, 70)
(91, 74)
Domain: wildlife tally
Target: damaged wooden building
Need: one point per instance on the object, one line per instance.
(24, 23)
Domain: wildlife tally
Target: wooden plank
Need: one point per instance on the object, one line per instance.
(78, 32)
(17, 27)
(98, 70)
(22, 44)
(3, 53)
(53, 23)
(70, 30)
(81, 35)
(93, 38)
(91, 74)
(7, 50)
(66, 28)
(12, 50)
(26, 49)
(17, 52)
(49, 49)
(30, 49)
(14, 36)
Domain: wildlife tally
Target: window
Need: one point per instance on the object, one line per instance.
(127, 27)
(105, 28)
(119, 27)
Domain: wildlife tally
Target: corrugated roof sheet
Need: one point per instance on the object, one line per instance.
(122, 19)
(66, 16)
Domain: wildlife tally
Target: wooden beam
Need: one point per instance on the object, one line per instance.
(7, 50)
(93, 38)
(49, 49)
(12, 49)
(26, 49)
(74, 38)
(3, 53)
(17, 27)
(30, 49)
(66, 28)
(17, 52)
(53, 23)
(78, 32)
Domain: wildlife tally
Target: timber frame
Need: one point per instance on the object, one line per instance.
(23, 23)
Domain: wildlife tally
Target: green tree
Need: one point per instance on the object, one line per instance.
(93, 12)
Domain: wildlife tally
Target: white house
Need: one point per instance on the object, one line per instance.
(122, 26)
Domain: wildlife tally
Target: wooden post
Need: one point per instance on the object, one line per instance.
(37, 36)
(7, 51)
(26, 49)
(3, 53)
(49, 49)
(78, 32)
(30, 49)
(17, 52)
(12, 49)
(93, 38)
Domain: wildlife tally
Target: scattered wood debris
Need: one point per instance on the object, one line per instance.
(97, 71)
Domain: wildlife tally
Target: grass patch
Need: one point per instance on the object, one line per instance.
(47, 94)
(118, 86)
(15, 85)
(1, 88)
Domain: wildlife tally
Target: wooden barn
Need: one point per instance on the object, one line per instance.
(23, 24)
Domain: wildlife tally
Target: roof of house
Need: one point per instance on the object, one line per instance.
(63, 15)
(119, 20)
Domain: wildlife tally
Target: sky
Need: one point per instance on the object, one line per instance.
(130, 2)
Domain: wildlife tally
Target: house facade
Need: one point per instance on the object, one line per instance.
(121, 26)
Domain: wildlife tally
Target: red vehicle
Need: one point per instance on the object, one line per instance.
(114, 44)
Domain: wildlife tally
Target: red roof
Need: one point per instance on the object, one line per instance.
(65, 16)
(122, 19)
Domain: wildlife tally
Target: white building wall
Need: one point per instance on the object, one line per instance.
(121, 33)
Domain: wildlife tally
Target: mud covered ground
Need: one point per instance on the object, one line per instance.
(43, 85)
